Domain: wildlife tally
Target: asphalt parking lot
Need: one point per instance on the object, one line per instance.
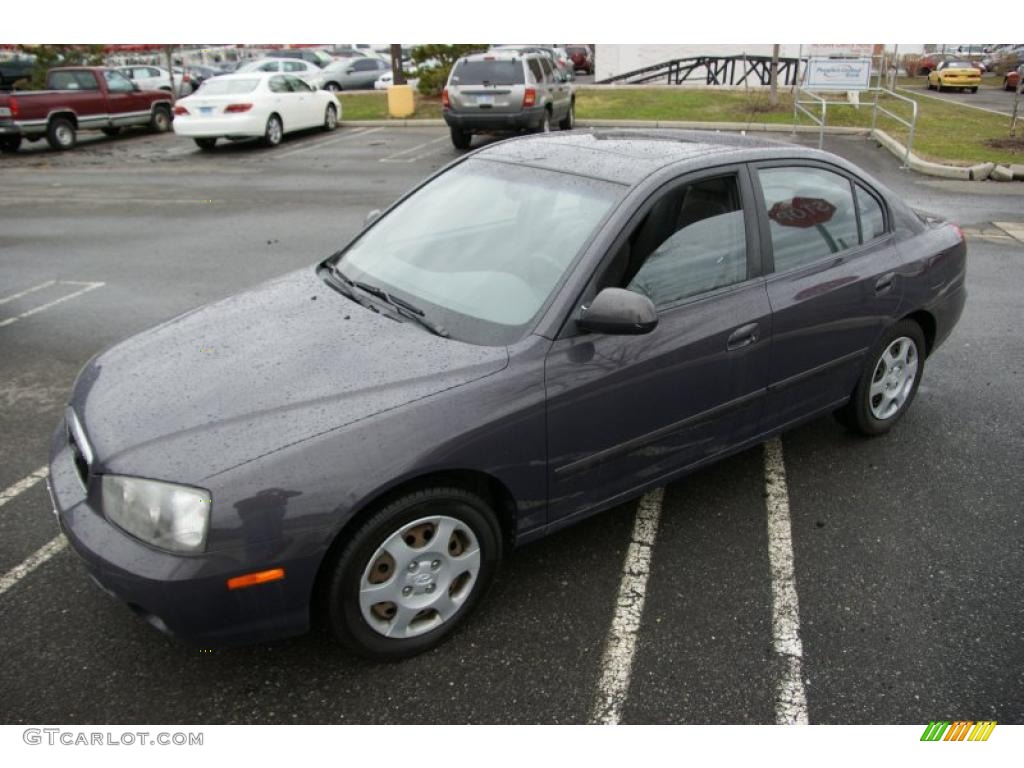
(989, 96)
(907, 549)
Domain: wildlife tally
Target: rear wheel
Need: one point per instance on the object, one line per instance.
(206, 144)
(412, 573)
(974, 89)
(888, 382)
(161, 120)
(61, 134)
(10, 143)
(330, 117)
(461, 139)
(274, 132)
(332, 87)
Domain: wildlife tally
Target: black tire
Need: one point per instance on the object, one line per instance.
(346, 569)
(930, 86)
(330, 117)
(332, 86)
(272, 136)
(160, 121)
(570, 118)
(461, 139)
(10, 143)
(61, 134)
(113, 130)
(857, 414)
(974, 89)
(206, 144)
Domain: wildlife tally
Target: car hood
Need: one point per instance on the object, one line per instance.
(257, 372)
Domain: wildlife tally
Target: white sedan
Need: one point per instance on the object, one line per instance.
(303, 70)
(251, 105)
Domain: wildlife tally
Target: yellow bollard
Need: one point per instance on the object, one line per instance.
(400, 101)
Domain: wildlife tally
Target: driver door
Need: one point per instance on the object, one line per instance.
(625, 412)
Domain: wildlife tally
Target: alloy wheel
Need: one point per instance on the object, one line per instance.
(893, 378)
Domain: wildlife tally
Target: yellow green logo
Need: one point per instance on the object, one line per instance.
(958, 730)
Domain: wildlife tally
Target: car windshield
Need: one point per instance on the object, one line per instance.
(225, 87)
(959, 65)
(481, 248)
(488, 72)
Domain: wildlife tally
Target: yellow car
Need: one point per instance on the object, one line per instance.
(954, 74)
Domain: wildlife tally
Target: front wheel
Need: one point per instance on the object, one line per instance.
(160, 122)
(274, 132)
(461, 139)
(330, 117)
(888, 382)
(412, 573)
(570, 118)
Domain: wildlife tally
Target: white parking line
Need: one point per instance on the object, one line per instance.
(617, 664)
(88, 287)
(790, 696)
(22, 485)
(27, 291)
(335, 140)
(397, 156)
(37, 558)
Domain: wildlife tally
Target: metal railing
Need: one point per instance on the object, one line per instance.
(911, 124)
(798, 106)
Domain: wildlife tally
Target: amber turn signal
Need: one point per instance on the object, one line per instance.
(252, 579)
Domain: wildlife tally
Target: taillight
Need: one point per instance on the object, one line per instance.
(238, 107)
(530, 97)
(959, 232)
(180, 110)
(13, 104)
(445, 102)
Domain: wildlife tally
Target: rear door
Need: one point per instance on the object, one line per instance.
(628, 411)
(285, 102)
(832, 285)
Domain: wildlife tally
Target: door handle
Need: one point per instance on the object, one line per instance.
(743, 336)
(884, 283)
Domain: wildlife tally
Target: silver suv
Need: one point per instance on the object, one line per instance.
(506, 91)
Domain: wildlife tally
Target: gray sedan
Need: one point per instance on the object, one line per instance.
(548, 327)
(353, 74)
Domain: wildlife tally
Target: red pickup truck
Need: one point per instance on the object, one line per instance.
(79, 99)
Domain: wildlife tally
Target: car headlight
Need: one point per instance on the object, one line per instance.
(168, 516)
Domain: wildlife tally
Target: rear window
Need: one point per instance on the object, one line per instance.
(488, 73)
(72, 81)
(217, 87)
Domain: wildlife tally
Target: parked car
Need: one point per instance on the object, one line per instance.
(253, 104)
(929, 62)
(503, 91)
(1012, 79)
(353, 74)
(195, 74)
(310, 73)
(150, 78)
(582, 58)
(317, 58)
(386, 80)
(499, 355)
(79, 99)
(955, 73)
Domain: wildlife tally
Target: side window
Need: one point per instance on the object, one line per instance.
(538, 73)
(278, 84)
(546, 66)
(364, 65)
(692, 240)
(118, 83)
(150, 72)
(87, 81)
(810, 214)
(294, 66)
(297, 85)
(872, 220)
(270, 66)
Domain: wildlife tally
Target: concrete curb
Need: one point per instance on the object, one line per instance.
(978, 172)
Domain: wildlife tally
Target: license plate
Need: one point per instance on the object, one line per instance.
(489, 100)
(206, 110)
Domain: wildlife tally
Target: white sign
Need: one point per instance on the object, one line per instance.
(838, 75)
(841, 49)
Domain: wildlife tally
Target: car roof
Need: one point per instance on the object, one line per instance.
(628, 156)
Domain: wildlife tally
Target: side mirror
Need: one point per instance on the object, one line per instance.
(618, 311)
(371, 217)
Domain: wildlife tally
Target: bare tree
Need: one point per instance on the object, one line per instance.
(169, 52)
(773, 94)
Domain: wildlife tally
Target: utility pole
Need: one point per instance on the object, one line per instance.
(773, 97)
(1016, 104)
(397, 75)
(169, 51)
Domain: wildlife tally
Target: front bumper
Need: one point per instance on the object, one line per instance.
(495, 121)
(185, 595)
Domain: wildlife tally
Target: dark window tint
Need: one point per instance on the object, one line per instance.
(810, 213)
(872, 220)
(488, 73)
(76, 81)
(693, 240)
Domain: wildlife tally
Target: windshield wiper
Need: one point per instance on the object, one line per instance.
(404, 308)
